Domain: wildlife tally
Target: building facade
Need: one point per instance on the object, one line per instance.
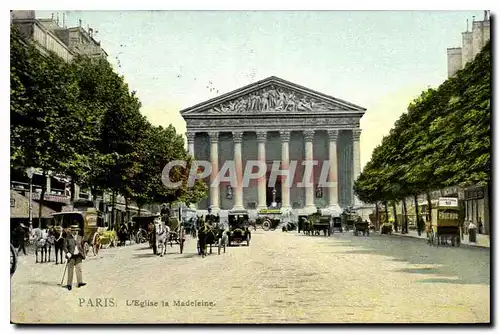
(271, 121)
(472, 43)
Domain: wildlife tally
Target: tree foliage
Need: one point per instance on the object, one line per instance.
(81, 119)
(443, 140)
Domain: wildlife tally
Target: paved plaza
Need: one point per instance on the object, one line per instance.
(280, 278)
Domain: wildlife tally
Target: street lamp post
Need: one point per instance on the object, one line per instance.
(30, 171)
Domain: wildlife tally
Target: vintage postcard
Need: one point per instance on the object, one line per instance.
(250, 167)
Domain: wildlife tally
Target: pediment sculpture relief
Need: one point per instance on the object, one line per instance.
(274, 99)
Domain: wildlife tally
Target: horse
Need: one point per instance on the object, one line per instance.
(208, 235)
(56, 238)
(162, 236)
(40, 238)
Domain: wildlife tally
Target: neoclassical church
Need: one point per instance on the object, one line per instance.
(277, 120)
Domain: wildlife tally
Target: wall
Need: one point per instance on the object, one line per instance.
(480, 35)
(454, 61)
(466, 48)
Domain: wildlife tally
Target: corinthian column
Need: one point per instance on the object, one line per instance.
(190, 141)
(214, 159)
(285, 165)
(308, 140)
(238, 196)
(333, 198)
(356, 166)
(261, 140)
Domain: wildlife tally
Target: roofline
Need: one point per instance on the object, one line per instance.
(256, 85)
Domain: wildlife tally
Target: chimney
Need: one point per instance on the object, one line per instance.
(467, 30)
(486, 15)
(64, 20)
(52, 16)
(91, 32)
(79, 22)
(57, 18)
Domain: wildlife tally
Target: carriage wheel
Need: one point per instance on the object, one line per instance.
(13, 260)
(248, 240)
(266, 225)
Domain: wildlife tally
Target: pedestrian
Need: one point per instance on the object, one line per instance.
(480, 226)
(73, 248)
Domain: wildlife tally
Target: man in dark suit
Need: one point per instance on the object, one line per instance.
(73, 248)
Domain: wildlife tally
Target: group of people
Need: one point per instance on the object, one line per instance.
(73, 249)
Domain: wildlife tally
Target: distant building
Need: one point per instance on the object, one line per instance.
(48, 35)
(472, 43)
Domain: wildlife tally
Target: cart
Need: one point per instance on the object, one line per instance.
(86, 219)
(445, 224)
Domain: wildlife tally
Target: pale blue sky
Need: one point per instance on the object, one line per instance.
(380, 60)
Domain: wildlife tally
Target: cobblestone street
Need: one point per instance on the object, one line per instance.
(280, 278)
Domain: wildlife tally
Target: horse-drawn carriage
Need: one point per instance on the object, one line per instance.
(238, 227)
(177, 232)
(445, 224)
(336, 222)
(86, 219)
(361, 226)
(349, 219)
(210, 233)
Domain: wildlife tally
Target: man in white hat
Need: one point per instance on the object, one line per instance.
(73, 248)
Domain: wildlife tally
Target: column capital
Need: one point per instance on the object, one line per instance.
(333, 135)
(308, 135)
(285, 136)
(214, 136)
(356, 133)
(237, 137)
(261, 136)
(190, 136)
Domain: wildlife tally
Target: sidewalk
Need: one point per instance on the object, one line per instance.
(482, 239)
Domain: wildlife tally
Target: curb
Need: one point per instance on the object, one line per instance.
(424, 239)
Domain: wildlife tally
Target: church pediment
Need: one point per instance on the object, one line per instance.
(272, 95)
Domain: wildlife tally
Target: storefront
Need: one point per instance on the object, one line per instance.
(477, 208)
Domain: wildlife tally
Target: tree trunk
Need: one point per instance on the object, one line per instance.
(127, 213)
(42, 195)
(386, 212)
(417, 214)
(429, 206)
(139, 211)
(113, 210)
(377, 216)
(396, 223)
(405, 217)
